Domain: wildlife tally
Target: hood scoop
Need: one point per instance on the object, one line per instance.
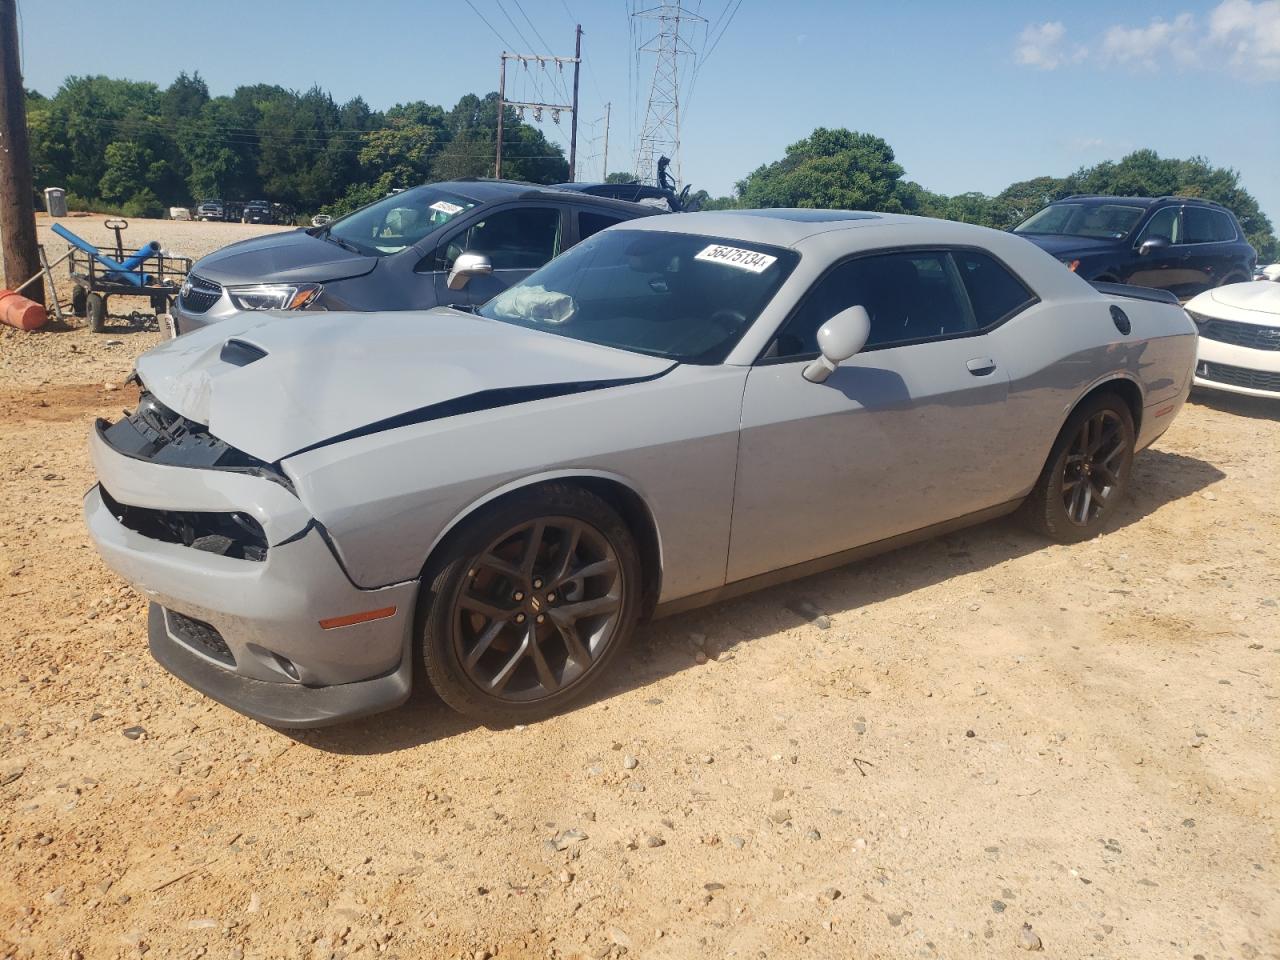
(240, 353)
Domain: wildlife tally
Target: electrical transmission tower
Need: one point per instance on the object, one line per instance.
(660, 135)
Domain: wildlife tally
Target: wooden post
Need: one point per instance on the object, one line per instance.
(17, 212)
(573, 135)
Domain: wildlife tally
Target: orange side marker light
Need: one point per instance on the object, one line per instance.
(353, 618)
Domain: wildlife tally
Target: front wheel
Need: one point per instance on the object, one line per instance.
(1087, 472)
(95, 309)
(534, 600)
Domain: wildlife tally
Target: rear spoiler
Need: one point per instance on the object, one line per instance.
(1135, 292)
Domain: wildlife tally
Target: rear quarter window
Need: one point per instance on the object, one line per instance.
(996, 294)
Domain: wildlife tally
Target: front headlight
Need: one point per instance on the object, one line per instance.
(274, 296)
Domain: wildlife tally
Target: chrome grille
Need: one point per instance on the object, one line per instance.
(199, 294)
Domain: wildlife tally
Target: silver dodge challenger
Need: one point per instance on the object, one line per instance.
(677, 410)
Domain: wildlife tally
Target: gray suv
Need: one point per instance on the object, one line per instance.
(456, 243)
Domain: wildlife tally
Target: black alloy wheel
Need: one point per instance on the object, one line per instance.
(536, 608)
(1095, 461)
(1087, 472)
(535, 598)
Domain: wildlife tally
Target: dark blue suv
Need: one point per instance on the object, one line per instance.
(1179, 244)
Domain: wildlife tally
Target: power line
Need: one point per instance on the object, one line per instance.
(491, 27)
(702, 61)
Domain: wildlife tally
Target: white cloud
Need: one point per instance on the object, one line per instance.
(1085, 144)
(1041, 46)
(1243, 35)
(1250, 33)
(1158, 43)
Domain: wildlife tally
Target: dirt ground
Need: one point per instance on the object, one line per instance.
(992, 733)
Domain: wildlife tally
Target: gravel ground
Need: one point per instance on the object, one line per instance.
(996, 745)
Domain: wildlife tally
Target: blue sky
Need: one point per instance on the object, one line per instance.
(971, 96)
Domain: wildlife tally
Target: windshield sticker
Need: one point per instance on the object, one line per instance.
(444, 206)
(737, 257)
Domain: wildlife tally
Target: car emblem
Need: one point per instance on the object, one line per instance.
(533, 602)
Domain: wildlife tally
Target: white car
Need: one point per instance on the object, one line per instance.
(1239, 349)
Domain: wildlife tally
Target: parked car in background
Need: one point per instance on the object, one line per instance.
(1239, 349)
(1180, 244)
(1267, 271)
(257, 211)
(675, 411)
(666, 200)
(211, 210)
(455, 244)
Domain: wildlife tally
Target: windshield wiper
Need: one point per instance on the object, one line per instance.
(344, 244)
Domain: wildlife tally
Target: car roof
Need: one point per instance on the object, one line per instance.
(784, 226)
(485, 190)
(1139, 201)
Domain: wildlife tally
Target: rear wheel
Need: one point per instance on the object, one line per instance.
(533, 601)
(1087, 472)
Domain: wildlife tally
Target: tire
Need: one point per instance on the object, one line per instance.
(509, 635)
(95, 310)
(1059, 507)
(78, 296)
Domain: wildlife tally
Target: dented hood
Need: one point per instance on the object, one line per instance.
(274, 384)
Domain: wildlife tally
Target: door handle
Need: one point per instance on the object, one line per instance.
(981, 366)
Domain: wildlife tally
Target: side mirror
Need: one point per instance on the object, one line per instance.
(466, 266)
(839, 339)
(1152, 245)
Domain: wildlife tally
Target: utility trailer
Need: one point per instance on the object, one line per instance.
(96, 276)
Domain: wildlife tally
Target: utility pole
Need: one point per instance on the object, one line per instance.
(502, 108)
(537, 108)
(660, 135)
(573, 130)
(604, 171)
(17, 213)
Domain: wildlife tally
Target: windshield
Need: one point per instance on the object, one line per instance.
(1110, 221)
(401, 220)
(680, 296)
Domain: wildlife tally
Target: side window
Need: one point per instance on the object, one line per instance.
(994, 292)
(1223, 227)
(909, 296)
(590, 224)
(520, 239)
(1164, 223)
(1199, 223)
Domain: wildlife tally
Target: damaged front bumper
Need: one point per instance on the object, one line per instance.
(266, 631)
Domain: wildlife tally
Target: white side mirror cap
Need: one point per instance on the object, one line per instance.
(466, 266)
(839, 339)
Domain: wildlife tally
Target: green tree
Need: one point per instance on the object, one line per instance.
(838, 169)
(620, 176)
(127, 166)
